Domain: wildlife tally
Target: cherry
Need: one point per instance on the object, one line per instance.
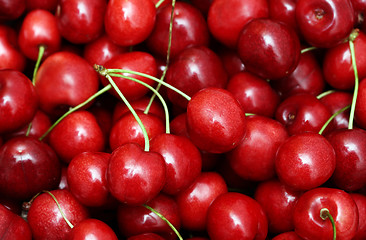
(189, 29)
(81, 21)
(78, 132)
(12, 226)
(360, 201)
(277, 48)
(278, 202)
(86, 178)
(27, 167)
(134, 220)
(254, 158)
(49, 5)
(215, 120)
(194, 201)
(63, 181)
(360, 109)
(325, 23)
(203, 6)
(18, 100)
(46, 220)
(287, 236)
(92, 228)
(11, 9)
(254, 94)
(39, 28)
(244, 218)
(182, 159)
(284, 11)
(128, 23)
(305, 161)
(64, 79)
(11, 56)
(231, 61)
(134, 176)
(226, 18)
(146, 236)
(310, 223)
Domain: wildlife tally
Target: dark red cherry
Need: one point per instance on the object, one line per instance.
(360, 201)
(11, 56)
(269, 48)
(146, 236)
(287, 236)
(360, 109)
(49, 5)
(11, 9)
(284, 11)
(12, 226)
(231, 61)
(92, 228)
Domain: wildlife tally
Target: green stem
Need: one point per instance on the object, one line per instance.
(325, 214)
(59, 207)
(323, 94)
(41, 50)
(332, 117)
(71, 110)
(165, 220)
(355, 91)
(166, 110)
(307, 49)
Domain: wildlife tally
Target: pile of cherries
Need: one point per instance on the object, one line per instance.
(200, 119)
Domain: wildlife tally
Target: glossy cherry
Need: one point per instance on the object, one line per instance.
(18, 100)
(12, 226)
(305, 161)
(277, 48)
(307, 214)
(92, 228)
(215, 120)
(360, 109)
(287, 236)
(49, 5)
(12, 57)
(231, 61)
(360, 201)
(11, 9)
(284, 11)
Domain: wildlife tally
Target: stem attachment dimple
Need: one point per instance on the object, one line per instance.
(325, 214)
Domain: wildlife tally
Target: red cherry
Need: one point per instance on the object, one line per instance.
(202, 5)
(226, 18)
(360, 109)
(189, 30)
(325, 23)
(92, 228)
(277, 48)
(128, 23)
(244, 218)
(287, 236)
(11, 56)
(146, 236)
(307, 214)
(18, 100)
(81, 21)
(134, 176)
(254, 158)
(194, 201)
(360, 201)
(284, 11)
(215, 120)
(78, 132)
(305, 161)
(231, 61)
(27, 167)
(11, 9)
(46, 220)
(39, 28)
(49, 5)
(12, 226)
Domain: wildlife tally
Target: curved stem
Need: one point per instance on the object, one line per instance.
(103, 90)
(59, 207)
(323, 94)
(355, 91)
(165, 220)
(324, 214)
(41, 50)
(332, 117)
(308, 49)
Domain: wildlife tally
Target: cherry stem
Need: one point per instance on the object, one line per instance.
(165, 220)
(167, 57)
(41, 50)
(332, 117)
(159, 3)
(323, 94)
(324, 214)
(71, 110)
(308, 49)
(59, 207)
(28, 129)
(355, 92)
(152, 78)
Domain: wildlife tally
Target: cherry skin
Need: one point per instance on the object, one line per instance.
(27, 167)
(78, 132)
(231, 61)
(194, 201)
(11, 56)
(135, 176)
(360, 110)
(325, 23)
(193, 69)
(360, 201)
(39, 28)
(277, 48)
(254, 94)
(284, 11)
(11, 9)
(244, 218)
(146, 236)
(254, 158)
(278, 202)
(18, 100)
(86, 178)
(134, 220)
(306, 78)
(182, 158)
(308, 222)
(226, 19)
(303, 113)
(64, 79)
(350, 149)
(287, 236)
(215, 120)
(49, 5)
(92, 228)
(305, 161)
(81, 21)
(189, 30)
(46, 220)
(12, 226)
(127, 129)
